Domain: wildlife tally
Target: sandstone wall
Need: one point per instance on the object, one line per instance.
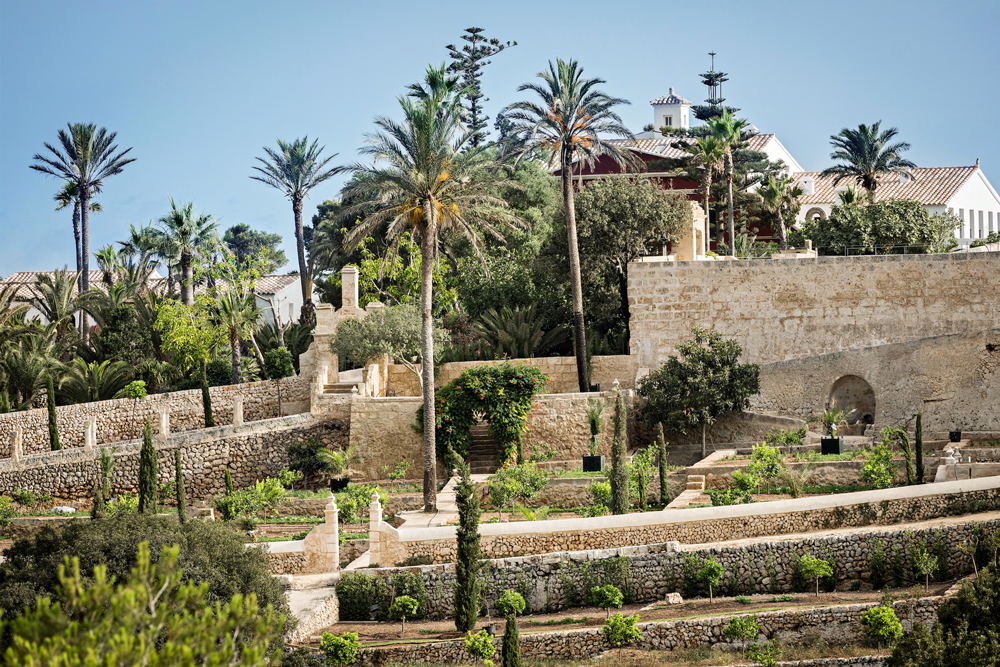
(250, 452)
(839, 625)
(648, 573)
(785, 309)
(955, 379)
(118, 420)
(708, 524)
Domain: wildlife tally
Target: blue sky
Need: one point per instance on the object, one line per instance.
(197, 88)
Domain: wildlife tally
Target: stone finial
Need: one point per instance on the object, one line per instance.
(164, 425)
(238, 410)
(349, 287)
(15, 444)
(376, 503)
(616, 384)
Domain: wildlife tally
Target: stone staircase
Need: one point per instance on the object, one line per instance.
(483, 451)
(696, 483)
(695, 487)
(339, 388)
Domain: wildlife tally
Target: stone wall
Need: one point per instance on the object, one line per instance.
(839, 625)
(706, 524)
(250, 452)
(647, 573)
(786, 309)
(953, 378)
(118, 420)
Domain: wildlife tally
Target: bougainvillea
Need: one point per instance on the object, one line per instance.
(501, 394)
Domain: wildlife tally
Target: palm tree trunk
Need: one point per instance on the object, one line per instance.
(427, 247)
(706, 182)
(187, 280)
(305, 315)
(170, 278)
(76, 239)
(729, 202)
(579, 333)
(84, 257)
(782, 236)
(234, 342)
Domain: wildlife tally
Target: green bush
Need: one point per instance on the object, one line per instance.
(621, 630)
(878, 470)
(606, 597)
(357, 592)
(510, 603)
(743, 629)
(354, 503)
(210, 552)
(600, 492)
(342, 650)
(479, 645)
(7, 511)
(881, 624)
(402, 607)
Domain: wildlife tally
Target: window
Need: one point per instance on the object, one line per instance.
(668, 121)
(981, 235)
(991, 222)
(961, 216)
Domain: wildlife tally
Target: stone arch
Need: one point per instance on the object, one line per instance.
(815, 212)
(856, 398)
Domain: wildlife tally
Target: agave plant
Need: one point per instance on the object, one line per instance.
(519, 332)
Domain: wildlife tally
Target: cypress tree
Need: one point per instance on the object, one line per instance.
(206, 397)
(511, 647)
(229, 483)
(179, 483)
(664, 487)
(467, 562)
(4, 402)
(99, 509)
(619, 466)
(50, 389)
(918, 438)
(147, 472)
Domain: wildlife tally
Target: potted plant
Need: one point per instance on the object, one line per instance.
(955, 436)
(595, 419)
(831, 419)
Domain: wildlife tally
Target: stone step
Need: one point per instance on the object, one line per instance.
(339, 388)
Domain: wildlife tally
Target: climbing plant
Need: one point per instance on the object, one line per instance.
(501, 394)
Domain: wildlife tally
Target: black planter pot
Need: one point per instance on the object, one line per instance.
(339, 484)
(491, 630)
(593, 463)
(831, 446)
(955, 436)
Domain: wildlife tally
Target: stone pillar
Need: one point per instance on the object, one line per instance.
(374, 526)
(349, 286)
(164, 425)
(90, 435)
(332, 516)
(15, 445)
(238, 410)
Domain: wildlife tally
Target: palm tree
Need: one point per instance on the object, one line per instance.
(709, 154)
(68, 194)
(87, 158)
(519, 332)
(56, 299)
(296, 170)
(565, 128)
(728, 131)
(779, 196)
(422, 182)
(866, 154)
(184, 235)
(85, 383)
(239, 314)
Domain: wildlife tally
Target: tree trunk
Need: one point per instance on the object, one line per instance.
(234, 343)
(579, 333)
(170, 278)
(84, 191)
(278, 384)
(428, 243)
(729, 202)
(76, 239)
(187, 280)
(782, 236)
(707, 185)
(305, 280)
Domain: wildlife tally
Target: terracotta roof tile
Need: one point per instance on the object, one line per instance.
(670, 99)
(929, 186)
(663, 146)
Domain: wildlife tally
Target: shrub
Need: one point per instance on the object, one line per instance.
(210, 552)
(510, 603)
(765, 654)
(643, 465)
(766, 463)
(607, 597)
(479, 645)
(743, 599)
(342, 650)
(621, 630)
(878, 470)
(402, 607)
(881, 624)
(619, 466)
(814, 568)
(690, 581)
(710, 573)
(312, 459)
(7, 511)
(877, 565)
(147, 472)
(743, 629)
(126, 503)
(600, 492)
(353, 505)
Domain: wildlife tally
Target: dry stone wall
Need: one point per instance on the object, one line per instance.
(838, 625)
(710, 524)
(789, 308)
(250, 452)
(647, 573)
(121, 419)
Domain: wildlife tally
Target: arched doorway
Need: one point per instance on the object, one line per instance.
(856, 398)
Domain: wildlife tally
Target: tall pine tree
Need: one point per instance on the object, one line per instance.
(468, 557)
(468, 61)
(713, 81)
(147, 472)
(179, 483)
(619, 464)
(50, 390)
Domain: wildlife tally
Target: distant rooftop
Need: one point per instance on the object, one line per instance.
(670, 98)
(930, 185)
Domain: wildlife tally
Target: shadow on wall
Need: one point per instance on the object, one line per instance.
(856, 398)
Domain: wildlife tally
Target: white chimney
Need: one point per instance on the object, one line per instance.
(807, 185)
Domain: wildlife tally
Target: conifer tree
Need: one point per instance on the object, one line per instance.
(918, 437)
(468, 61)
(661, 444)
(229, 483)
(50, 389)
(619, 465)
(4, 402)
(511, 604)
(179, 483)
(147, 472)
(100, 509)
(206, 397)
(468, 557)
